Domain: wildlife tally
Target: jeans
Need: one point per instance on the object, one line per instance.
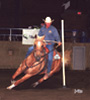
(50, 56)
(30, 49)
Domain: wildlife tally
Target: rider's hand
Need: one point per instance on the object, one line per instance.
(59, 43)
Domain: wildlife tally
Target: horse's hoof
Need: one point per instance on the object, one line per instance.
(35, 84)
(8, 88)
(13, 81)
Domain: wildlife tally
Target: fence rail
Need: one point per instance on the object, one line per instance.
(15, 34)
(11, 34)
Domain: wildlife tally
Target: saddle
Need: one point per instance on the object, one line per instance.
(55, 54)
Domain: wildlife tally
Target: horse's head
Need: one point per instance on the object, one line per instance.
(39, 48)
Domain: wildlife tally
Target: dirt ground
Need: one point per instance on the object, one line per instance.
(77, 87)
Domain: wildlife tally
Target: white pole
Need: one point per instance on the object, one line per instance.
(63, 64)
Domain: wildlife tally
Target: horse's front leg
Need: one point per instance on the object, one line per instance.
(19, 70)
(25, 77)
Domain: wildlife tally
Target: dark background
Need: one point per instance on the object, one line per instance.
(25, 13)
(22, 13)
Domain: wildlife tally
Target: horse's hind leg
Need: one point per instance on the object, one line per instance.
(45, 77)
(38, 82)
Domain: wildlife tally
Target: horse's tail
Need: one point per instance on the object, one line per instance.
(67, 57)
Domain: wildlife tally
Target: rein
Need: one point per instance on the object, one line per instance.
(51, 50)
(44, 59)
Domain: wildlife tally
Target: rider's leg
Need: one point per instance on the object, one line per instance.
(30, 49)
(49, 65)
(50, 58)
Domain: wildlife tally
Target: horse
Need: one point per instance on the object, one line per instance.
(36, 63)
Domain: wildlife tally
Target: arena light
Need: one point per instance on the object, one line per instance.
(79, 13)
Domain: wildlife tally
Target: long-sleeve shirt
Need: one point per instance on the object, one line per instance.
(50, 33)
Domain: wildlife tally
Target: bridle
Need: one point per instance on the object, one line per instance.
(42, 58)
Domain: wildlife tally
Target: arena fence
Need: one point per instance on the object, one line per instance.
(15, 34)
(12, 51)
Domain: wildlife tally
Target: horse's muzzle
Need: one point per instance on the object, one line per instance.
(38, 58)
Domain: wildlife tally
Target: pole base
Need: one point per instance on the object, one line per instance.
(64, 87)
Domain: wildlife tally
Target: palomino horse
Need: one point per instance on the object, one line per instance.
(36, 63)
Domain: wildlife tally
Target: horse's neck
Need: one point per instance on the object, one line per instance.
(31, 55)
(46, 49)
(30, 58)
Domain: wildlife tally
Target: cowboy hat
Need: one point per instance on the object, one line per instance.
(48, 20)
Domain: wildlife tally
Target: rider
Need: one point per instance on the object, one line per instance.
(50, 33)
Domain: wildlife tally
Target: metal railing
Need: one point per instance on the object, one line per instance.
(11, 34)
(15, 34)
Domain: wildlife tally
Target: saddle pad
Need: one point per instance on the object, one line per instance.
(57, 56)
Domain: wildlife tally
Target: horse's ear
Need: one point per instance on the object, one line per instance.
(35, 36)
(41, 37)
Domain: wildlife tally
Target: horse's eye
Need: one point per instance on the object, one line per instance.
(42, 46)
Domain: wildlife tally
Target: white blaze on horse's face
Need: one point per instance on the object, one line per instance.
(38, 47)
(39, 43)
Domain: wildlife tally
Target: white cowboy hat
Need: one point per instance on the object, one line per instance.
(48, 20)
